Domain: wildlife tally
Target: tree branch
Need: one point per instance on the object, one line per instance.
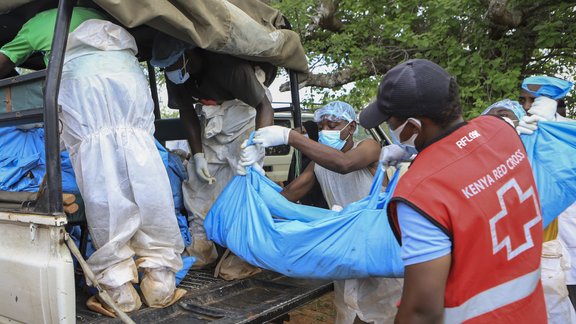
(329, 80)
(343, 76)
(500, 14)
(370, 66)
(326, 17)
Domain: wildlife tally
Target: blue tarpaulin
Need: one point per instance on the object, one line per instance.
(177, 174)
(257, 223)
(552, 154)
(23, 162)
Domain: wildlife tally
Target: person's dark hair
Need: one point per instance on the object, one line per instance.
(454, 109)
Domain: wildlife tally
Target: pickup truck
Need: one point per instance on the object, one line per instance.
(38, 280)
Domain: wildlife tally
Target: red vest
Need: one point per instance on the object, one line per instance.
(476, 185)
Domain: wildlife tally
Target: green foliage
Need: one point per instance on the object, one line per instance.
(169, 113)
(488, 61)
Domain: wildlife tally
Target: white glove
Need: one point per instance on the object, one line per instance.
(272, 136)
(544, 107)
(528, 124)
(336, 208)
(252, 154)
(392, 154)
(241, 169)
(201, 167)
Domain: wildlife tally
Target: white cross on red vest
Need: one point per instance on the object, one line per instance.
(511, 238)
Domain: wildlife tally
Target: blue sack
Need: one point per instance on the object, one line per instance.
(552, 154)
(257, 223)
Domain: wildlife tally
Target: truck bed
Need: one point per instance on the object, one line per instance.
(260, 298)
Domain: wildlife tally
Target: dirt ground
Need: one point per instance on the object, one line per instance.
(320, 310)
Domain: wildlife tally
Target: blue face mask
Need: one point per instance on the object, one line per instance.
(179, 76)
(332, 138)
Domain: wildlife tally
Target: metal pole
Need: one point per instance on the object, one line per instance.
(53, 197)
(90, 275)
(154, 90)
(296, 115)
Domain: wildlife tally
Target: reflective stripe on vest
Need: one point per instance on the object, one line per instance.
(494, 298)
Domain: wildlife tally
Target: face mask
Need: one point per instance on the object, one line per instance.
(510, 121)
(408, 144)
(332, 138)
(179, 76)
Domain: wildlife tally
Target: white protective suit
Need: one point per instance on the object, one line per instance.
(559, 264)
(225, 127)
(567, 234)
(555, 262)
(567, 228)
(373, 300)
(107, 115)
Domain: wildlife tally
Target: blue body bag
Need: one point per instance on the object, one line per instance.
(552, 154)
(253, 220)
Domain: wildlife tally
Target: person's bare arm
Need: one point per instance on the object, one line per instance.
(301, 185)
(364, 155)
(6, 66)
(264, 113)
(423, 294)
(192, 125)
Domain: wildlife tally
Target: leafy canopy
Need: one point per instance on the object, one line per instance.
(489, 48)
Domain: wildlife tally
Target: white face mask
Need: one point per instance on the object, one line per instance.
(509, 121)
(395, 133)
(179, 76)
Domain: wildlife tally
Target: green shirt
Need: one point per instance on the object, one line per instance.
(37, 33)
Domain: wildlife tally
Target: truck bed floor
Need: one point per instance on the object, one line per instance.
(256, 299)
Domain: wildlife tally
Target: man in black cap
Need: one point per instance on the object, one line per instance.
(466, 212)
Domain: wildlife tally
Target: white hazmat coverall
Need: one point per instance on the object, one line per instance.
(108, 125)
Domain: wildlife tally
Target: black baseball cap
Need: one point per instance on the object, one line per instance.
(413, 88)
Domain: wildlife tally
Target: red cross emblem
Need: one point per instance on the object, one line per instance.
(516, 239)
